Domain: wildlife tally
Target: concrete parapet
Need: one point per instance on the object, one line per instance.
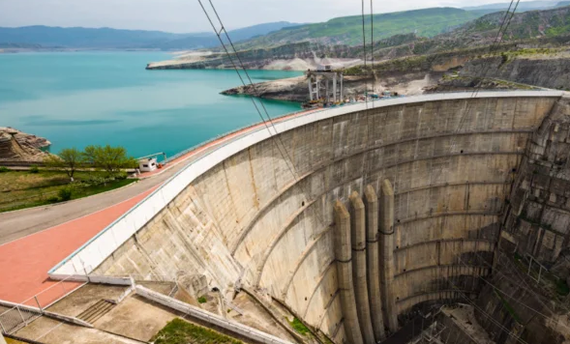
(373, 262)
(358, 233)
(387, 255)
(343, 254)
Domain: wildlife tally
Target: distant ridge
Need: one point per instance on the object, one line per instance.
(427, 22)
(523, 6)
(107, 38)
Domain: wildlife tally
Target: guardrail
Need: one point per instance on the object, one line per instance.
(94, 252)
(16, 316)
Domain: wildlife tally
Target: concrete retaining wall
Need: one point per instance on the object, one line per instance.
(240, 214)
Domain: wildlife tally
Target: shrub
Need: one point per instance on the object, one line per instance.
(34, 169)
(107, 158)
(202, 299)
(65, 193)
(53, 199)
(121, 176)
(4, 169)
(95, 180)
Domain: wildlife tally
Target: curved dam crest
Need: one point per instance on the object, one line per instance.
(239, 216)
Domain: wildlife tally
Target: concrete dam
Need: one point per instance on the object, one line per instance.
(352, 217)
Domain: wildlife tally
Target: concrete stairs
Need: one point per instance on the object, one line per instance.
(97, 311)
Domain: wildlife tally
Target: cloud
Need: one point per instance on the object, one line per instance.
(187, 16)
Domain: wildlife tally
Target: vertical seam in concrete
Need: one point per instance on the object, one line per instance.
(322, 277)
(308, 250)
(295, 218)
(253, 184)
(327, 306)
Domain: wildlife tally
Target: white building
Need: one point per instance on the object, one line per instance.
(147, 165)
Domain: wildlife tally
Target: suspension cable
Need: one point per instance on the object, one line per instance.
(372, 47)
(364, 54)
(269, 122)
(503, 28)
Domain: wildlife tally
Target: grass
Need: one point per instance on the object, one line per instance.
(348, 30)
(22, 189)
(179, 331)
(299, 327)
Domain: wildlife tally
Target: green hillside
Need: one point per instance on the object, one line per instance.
(533, 24)
(348, 30)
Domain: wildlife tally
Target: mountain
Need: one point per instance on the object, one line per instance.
(107, 38)
(532, 24)
(523, 6)
(210, 40)
(533, 29)
(563, 4)
(348, 30)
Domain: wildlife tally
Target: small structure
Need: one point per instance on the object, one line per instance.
(325, 84)
(148, 164)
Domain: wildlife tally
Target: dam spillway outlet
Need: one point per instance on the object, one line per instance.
(373, 211)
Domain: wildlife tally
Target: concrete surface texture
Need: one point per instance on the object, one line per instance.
(49, 331)
(263, 217)
(538, 216)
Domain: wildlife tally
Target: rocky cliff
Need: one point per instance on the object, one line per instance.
(19, 146)
(441, 72)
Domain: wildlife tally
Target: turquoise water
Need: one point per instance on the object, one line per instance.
(84, 98)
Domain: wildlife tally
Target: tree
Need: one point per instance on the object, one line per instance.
(69, 160)
(110, 159)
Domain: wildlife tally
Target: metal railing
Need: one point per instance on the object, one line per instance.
(13, 319)
(15, 316)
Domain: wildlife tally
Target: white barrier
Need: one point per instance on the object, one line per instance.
(208, 317)
(98, 249)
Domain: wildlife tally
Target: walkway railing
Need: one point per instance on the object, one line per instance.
(15, 316)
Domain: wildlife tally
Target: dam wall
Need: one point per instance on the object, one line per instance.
(258, 211)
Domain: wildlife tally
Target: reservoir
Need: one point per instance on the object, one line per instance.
(75, 99)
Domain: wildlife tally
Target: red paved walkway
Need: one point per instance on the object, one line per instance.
(24, 263)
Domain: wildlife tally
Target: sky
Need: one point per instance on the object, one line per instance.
(183, 16)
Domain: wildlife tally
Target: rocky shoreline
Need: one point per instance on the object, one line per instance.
(16, 146)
